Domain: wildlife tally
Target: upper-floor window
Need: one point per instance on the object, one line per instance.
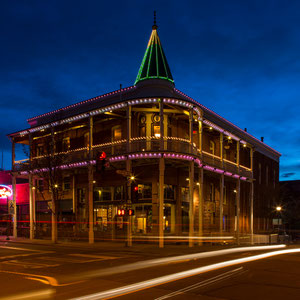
(212, 147)
(39, 150)
(66, 144)
(142, 125)
(67, 183)
(117, 133)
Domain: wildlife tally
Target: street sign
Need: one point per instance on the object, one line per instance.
(123, 173)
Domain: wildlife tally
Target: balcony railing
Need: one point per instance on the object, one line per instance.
(140, 144)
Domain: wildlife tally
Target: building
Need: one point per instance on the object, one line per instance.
(183, 169)
(7, 205)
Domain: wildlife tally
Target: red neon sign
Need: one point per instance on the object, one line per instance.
(102, 155)
(5, 191)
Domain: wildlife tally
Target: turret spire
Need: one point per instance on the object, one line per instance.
(154, 64)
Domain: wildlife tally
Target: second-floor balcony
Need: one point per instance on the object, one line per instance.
(136, 145)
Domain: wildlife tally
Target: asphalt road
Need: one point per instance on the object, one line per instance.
(29, 271)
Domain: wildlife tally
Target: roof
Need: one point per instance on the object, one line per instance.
(154, 64)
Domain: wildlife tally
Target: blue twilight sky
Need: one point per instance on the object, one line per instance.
(239, 58)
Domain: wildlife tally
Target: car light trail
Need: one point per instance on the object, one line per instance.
(167, 260)
(180, 275)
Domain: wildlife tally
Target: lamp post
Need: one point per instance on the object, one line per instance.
(278, 209)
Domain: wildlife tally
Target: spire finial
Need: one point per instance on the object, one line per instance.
(154, 22)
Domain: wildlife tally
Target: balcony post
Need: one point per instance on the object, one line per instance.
(191, 207)
(222, 148)
(128, 118)
(15, 219)
(91, 125)
(238, 194)
(53, 198)
(13, 154)
(221, 202)
(161, 201)
(251, 211)
(191, 123)
(251, 159)
(200, 128)
(161, 125)
(238, 155)
(201, 174)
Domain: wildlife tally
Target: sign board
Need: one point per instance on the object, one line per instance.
(123, 173)
(5, 191)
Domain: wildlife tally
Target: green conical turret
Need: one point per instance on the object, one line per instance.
(154, 64)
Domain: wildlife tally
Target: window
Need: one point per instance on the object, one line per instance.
(259, 173)
(40, 185)
(117, 133)
(212, 192)
(65, 144)
(185, 194)
(87, 139)
(212, 147)
(156, 131)
(39, 150)
(169, 191)
(102, 194)
(119, 193)
(67, 183)
(145, 191)
(142, 125)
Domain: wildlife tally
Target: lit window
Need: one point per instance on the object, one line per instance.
(66, 144)
(212, 147)
(156, 129)
(117, 134)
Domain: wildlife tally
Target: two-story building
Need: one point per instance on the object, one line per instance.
(183, 169)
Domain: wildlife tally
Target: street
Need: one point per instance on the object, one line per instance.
(66, 271)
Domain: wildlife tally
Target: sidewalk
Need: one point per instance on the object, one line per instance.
(107, 246)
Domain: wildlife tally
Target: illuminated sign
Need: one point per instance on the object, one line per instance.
(5, 191)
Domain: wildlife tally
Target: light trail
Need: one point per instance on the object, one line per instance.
(167, 260)
(175, 237)
(180, 275)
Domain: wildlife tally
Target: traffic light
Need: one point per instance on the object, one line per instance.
(130, 212)
(134, 192)
(101, 162)
(121, 212)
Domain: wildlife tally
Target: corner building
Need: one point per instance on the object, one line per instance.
(183, 169)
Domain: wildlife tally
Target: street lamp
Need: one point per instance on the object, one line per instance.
(278, 209)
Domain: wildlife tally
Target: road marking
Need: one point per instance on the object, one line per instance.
(213, 280)
(93, 257)
(51, 280)
(42, 294)
(132, 288)
(30, 265)
(21, 249)
(24, 255)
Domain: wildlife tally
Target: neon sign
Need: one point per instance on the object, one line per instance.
(5, 191)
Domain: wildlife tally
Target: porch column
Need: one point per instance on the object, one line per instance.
(91, 184)
(53, 197)
(251, 159)
(221, 202)
(31, 211)
(15, 219)
(178, 228)
(91, 203)
(13, 154)
(129, 218)
(201, 174)
(191, 207)
(238, 193)
(251, 211)
(155, 215)
(161, 201)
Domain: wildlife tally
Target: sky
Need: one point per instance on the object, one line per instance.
(239, 58)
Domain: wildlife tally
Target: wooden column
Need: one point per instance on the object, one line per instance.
(238, 155)
(13, 154)
(161, 201)
(53, 198)
(15, 219)
(129, 218)
(91, 126)
(222, 148)
(201, 174)
(128, 118)
(200, 123)
(238, 194)
(191, 207)
(91, 203)
(31, 210)
(251, 211)
(161, 124)
(191, 129)
(178, 228)
(221, 202)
